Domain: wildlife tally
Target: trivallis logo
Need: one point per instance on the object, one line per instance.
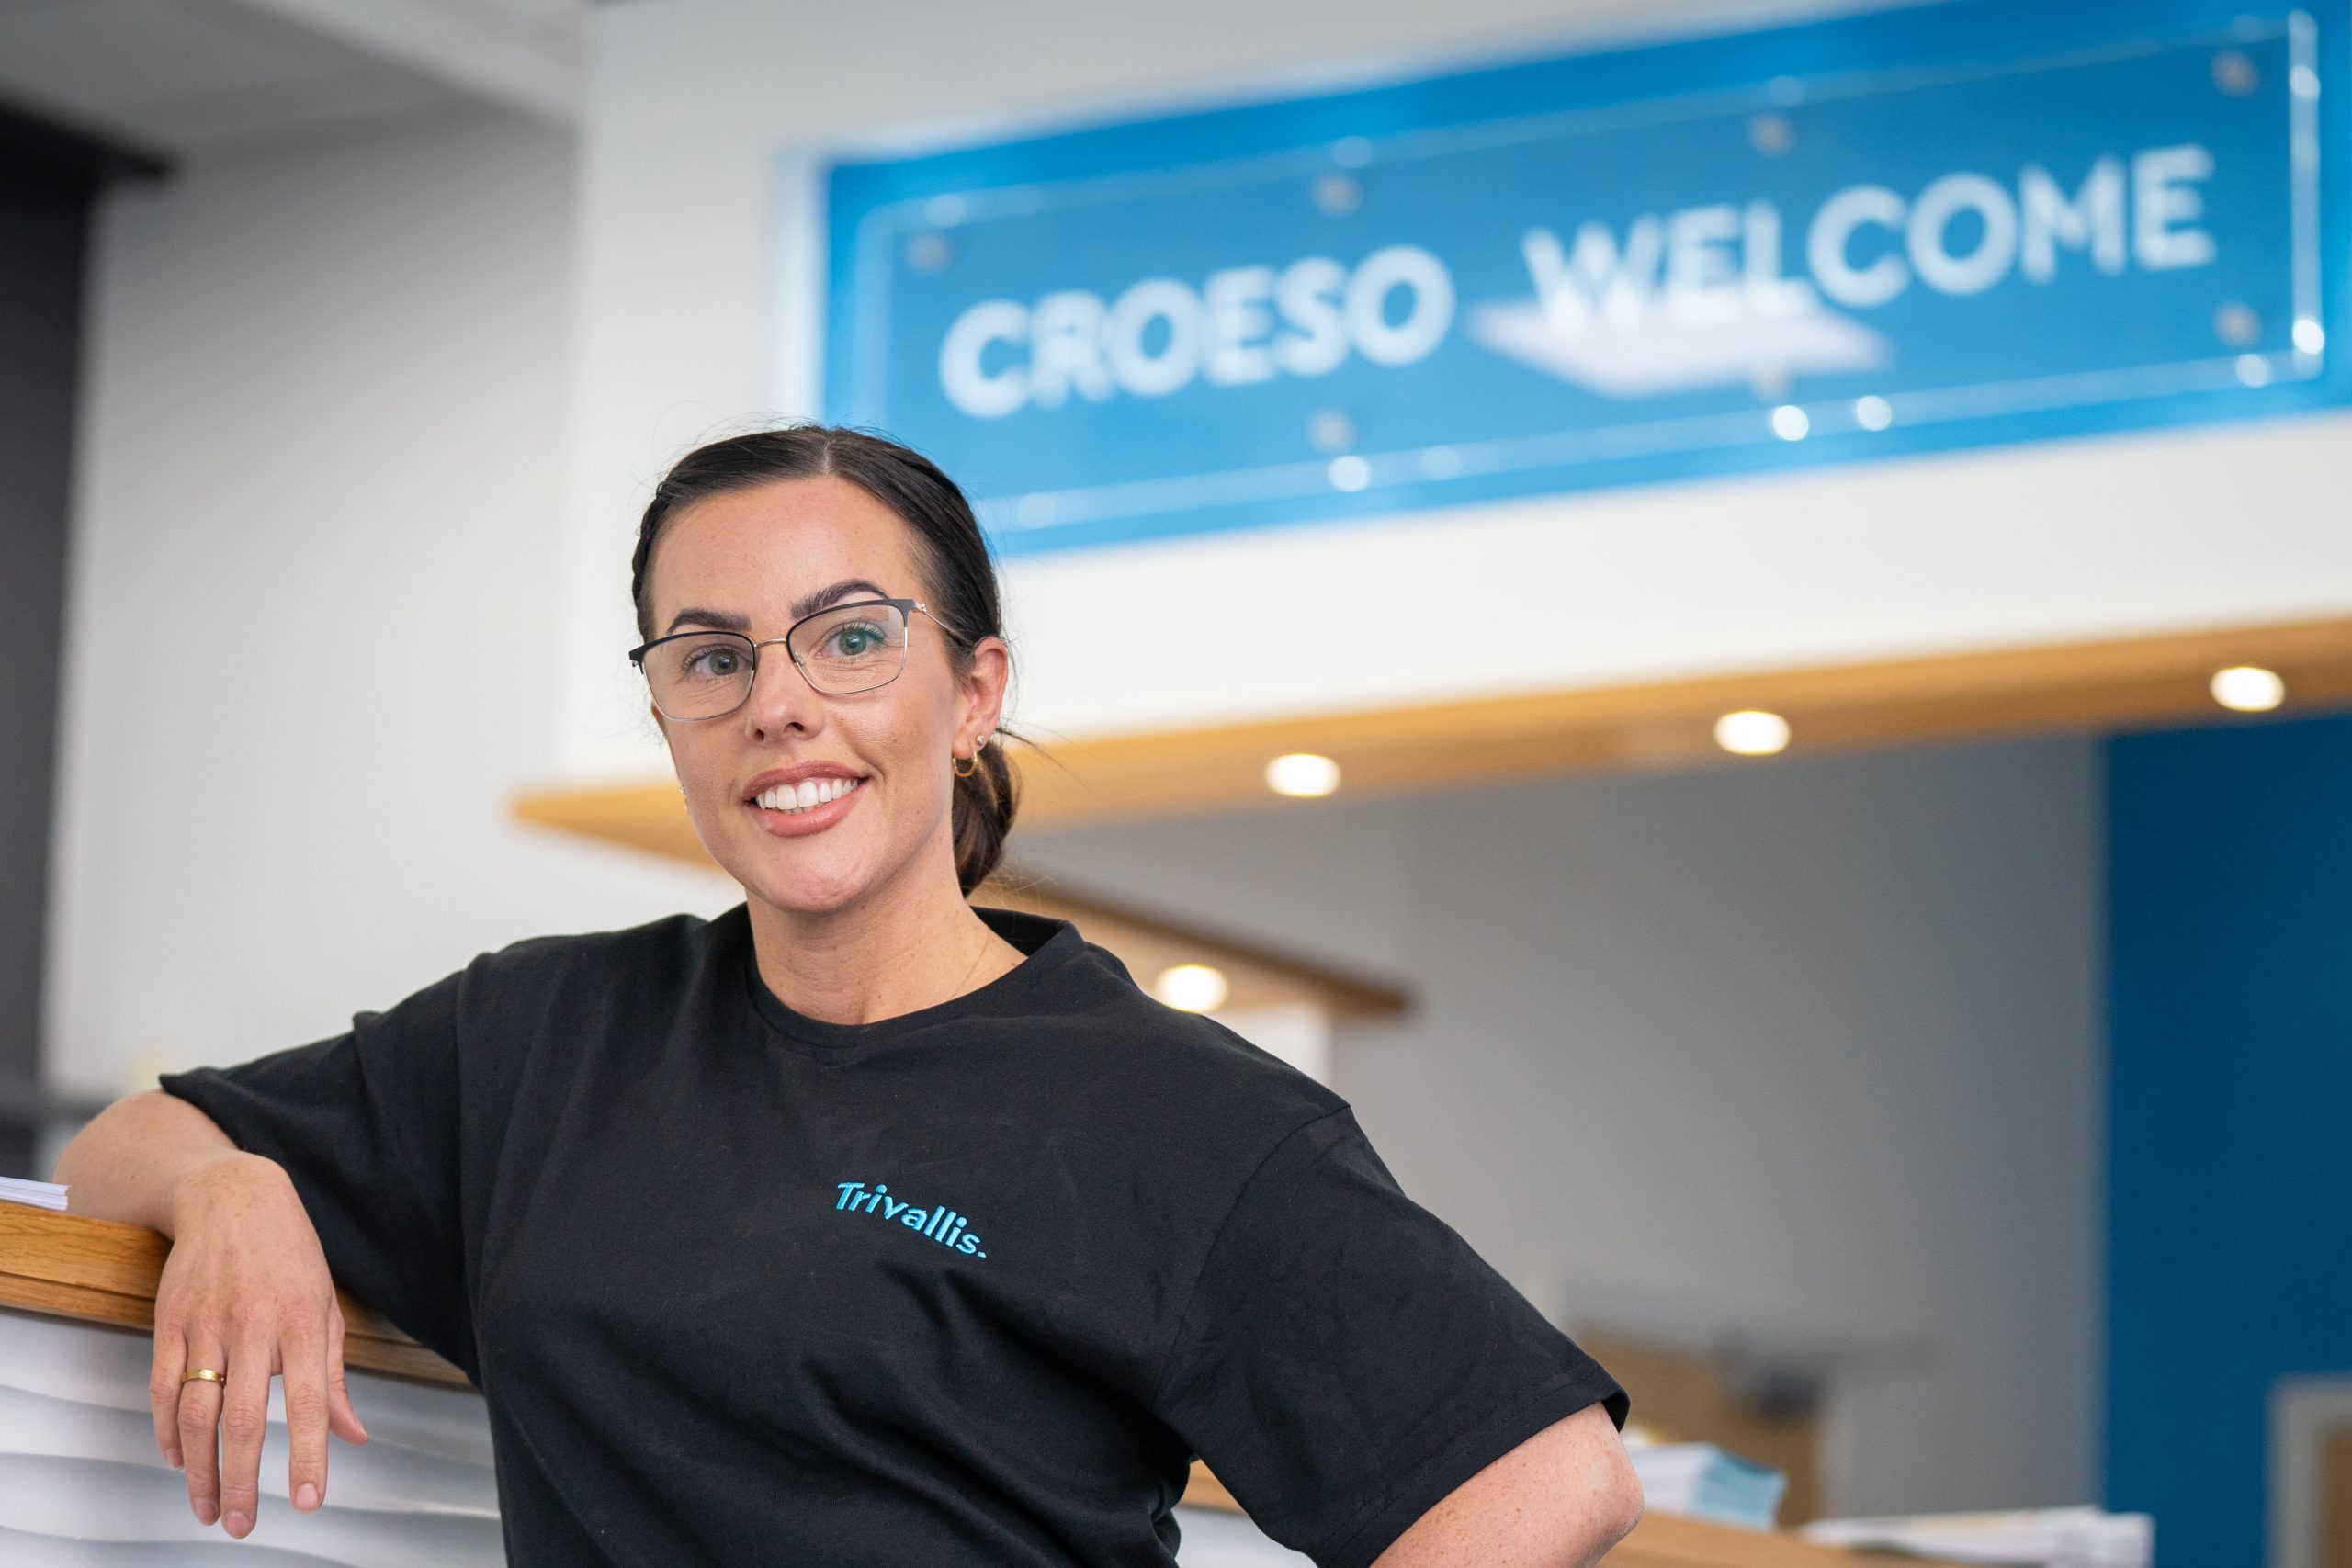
(944, 1227)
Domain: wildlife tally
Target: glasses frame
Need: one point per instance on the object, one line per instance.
(905, 608)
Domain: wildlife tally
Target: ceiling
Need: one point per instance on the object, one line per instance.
(186, 76)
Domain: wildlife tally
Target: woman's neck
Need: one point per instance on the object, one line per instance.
(896, 953)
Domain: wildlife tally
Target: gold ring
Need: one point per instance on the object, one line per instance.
(207, 1374)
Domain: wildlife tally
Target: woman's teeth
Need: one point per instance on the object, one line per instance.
(807, 794)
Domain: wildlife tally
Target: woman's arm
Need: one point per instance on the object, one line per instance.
(245, 1290)
(128, 1162)
(1559, 1500)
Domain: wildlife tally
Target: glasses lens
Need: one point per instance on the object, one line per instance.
(700, 676)
(852, 646)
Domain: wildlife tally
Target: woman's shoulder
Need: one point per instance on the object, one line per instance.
(664, 934)
(1191, 1065)
(636, 958)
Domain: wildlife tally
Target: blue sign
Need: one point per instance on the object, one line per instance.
(1977, 221)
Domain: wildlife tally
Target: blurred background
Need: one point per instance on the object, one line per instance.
(1735, 618)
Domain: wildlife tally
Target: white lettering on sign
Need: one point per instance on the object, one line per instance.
(1929, 234)
(2093, 220)
(1237, 320)
(1866, 246)
(1153, 373)
(1961, 234)
(2162, 200)
(1828, 250)
(1703, 264)
(1244, 324)
(982, 393)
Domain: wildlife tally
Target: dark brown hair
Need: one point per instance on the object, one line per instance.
(960, 575)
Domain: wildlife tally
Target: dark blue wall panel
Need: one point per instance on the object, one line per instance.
(2229, 1112)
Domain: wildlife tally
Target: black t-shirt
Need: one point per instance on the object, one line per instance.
(969, 1285)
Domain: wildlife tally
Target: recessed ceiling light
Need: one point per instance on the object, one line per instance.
(1195, 988)
(1303, 773)
(1751, 732)
(2248, 688)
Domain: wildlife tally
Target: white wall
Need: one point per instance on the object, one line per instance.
(1808, 1049)
(691, 237)
(309, 658)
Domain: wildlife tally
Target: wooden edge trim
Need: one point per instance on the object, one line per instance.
(1660, 1541)
(1670, 1540)
(652, 819)
(1205, 1490)
(1349, 992)
(103, 1271)
(1972, 672)
(2156, 678)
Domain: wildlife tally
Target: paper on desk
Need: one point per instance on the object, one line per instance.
(40, 1194)
(2034, 1537)
(1702, 1482)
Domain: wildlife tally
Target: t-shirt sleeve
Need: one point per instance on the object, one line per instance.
(365, 1122)
(1346, 1360)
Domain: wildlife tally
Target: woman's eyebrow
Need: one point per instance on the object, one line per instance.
(730, 621)
(841, 590)
(725, 620)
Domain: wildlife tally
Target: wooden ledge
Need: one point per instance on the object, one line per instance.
(2116, 683)
(1665, 1540)
(1258, 973)
(101, 1272)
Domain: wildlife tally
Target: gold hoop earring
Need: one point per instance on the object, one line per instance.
(962, 771)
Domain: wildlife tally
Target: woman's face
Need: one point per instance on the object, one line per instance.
(766, 557)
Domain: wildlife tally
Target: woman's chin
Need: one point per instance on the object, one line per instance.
(806, 888)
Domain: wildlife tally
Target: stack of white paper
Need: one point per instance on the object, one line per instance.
(2033, 1538)
(1701, 1480)
(40, 1194)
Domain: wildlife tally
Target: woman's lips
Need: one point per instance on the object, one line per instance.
(800, 824)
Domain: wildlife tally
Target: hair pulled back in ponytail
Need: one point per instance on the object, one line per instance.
(958, 572)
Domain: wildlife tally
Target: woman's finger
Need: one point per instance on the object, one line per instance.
(164, 1388)
(340, 1415)
(244, 1418)
(303, 1353)
(198, 1421)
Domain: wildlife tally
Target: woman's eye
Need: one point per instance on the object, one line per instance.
(852, 642)
(714, 661)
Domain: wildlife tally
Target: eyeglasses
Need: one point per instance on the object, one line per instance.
(845, 647)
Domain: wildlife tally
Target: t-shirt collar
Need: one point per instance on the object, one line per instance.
(1047, 942)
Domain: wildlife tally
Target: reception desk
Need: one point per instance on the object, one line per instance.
(79, 1465)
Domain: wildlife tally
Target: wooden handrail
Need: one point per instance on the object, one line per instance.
(102, 1272)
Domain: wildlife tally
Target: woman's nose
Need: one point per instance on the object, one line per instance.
(781, 696)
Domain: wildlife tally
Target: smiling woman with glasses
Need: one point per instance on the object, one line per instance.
(859, 1226)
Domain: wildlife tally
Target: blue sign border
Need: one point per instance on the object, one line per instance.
(1953, 35)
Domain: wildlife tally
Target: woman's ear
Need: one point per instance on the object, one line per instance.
(984, 687)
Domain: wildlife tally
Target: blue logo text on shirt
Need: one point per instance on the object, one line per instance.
(942, 1226)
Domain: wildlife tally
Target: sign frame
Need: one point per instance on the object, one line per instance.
(875, 204)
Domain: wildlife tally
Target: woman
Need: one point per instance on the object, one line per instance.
(858, 1225)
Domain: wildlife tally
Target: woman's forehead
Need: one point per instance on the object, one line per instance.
(779, 542)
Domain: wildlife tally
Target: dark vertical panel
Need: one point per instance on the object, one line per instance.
(2229, 1112)
(44, 220)
(49, 177)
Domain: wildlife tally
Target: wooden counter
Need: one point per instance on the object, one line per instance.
(97, 1271)
(102, 1272)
